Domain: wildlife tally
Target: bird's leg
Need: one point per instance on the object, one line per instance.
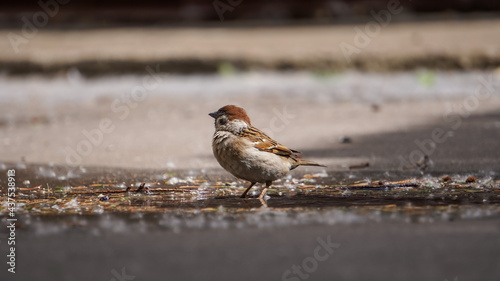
(263, 193)
(247, 190)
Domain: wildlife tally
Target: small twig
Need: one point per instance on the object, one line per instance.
(125, 191)
(32, 188)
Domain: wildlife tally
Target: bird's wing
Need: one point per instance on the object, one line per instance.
(263, 142)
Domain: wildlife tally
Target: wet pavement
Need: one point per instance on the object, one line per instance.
(98, 225)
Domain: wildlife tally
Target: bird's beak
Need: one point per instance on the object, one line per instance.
(214, 114)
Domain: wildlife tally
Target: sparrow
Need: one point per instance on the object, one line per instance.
(248, 153)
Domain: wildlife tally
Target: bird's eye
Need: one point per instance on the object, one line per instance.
(222, 121)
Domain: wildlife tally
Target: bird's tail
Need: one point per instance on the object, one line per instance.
(303, 162)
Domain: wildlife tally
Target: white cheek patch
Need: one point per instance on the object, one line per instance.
(236, 126)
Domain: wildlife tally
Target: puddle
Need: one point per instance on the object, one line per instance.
(182, 201)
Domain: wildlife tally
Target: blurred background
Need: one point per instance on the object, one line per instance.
(347, 67)
(400, 99)
(197, 12)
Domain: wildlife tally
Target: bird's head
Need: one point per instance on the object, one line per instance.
(230, 118)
